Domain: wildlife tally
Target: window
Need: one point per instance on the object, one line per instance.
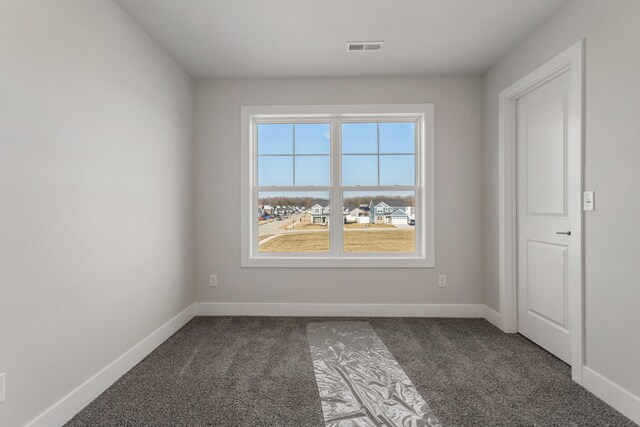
(337, 186)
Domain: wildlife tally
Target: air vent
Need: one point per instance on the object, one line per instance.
(364, 46)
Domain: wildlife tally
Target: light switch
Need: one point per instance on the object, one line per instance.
(588, 201)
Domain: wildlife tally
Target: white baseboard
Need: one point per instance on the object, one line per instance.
(614, 395)
(494, 318)
(342, 310)
(63, 410)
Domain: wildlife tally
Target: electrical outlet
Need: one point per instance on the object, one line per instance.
(1, 387)
(213, 280)
(442, 281)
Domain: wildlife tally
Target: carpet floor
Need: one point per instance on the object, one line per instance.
(257, 371)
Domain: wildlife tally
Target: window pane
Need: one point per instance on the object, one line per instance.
(275, 139)
(397, 138)
(293, 221)
(275, 170)
(313, 139)
(359, 170)
(379, 221)
(313, 170)
(359, 138)
(397, 170)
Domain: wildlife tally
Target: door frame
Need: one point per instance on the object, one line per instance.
(571, 60)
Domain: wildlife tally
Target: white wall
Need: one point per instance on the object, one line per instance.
(612, 149)
(458, 132)
(96, 217)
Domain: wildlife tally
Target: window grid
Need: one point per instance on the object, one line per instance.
(378, 149)
(423, 255)
(378, 155)
(293, 156)
(336, 192)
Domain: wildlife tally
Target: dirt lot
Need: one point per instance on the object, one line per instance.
(380, 241)
(402, 240)
(298, 242)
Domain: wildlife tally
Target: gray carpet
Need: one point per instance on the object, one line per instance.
(257, 371)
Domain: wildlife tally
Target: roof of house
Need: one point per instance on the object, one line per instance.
(392, 203)
(400, 213)
(320, 202)
(354, 207)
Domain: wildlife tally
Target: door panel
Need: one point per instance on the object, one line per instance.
(546, 265)
(543, 255)
(546, 147)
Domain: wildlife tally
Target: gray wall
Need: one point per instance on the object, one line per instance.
(96, 217)
(612, 151)
(458, 122)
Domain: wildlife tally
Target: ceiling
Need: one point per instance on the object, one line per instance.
(306, 38)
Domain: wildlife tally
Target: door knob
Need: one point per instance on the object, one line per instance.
(568, 233)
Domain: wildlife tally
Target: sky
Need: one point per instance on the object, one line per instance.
(373, 154)
(324, 195)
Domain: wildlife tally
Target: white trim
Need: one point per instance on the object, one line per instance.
(63, 410)
(493, 317)
(67, 407)
(617, 397)
(422, 114)
(346, 310)
(571, 60)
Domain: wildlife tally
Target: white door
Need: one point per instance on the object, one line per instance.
(544, 255)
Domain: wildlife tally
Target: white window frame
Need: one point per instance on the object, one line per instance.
(421, 114)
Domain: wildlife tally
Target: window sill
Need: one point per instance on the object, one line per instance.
(327, 262)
